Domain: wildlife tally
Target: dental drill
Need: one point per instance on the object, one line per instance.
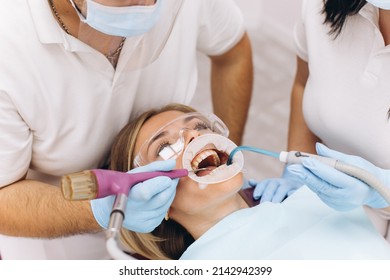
(293, 157)
(98, 183)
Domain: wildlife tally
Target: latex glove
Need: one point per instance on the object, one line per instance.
(147, 203)
(337, 189)
(276, 189)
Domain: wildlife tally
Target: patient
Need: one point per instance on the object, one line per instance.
(216, 220)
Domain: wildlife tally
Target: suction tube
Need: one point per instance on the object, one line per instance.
(251, 149)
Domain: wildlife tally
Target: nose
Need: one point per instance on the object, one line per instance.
(189, 135)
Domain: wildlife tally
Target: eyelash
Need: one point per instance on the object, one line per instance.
(201, 126)
(161, 146)
(197, 126)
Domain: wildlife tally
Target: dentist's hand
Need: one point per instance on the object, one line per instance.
(276, 189)
(148, 202)
(337, 189)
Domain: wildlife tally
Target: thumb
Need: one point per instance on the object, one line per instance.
(161, 165)
(146, 190)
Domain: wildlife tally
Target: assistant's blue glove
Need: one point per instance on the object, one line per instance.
(337, 189)
(276, 189)
(148, 202)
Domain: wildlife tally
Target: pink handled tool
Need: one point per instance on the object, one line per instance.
(98, 183)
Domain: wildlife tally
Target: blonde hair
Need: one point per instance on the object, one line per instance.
(169, 240)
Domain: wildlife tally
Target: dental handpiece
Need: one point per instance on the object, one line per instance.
(98, 183)
(297, 158)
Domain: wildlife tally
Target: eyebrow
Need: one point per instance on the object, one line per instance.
(164, 133)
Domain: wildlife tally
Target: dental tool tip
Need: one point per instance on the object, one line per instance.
(199, 169)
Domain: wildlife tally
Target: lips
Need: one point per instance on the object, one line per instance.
(210, 159)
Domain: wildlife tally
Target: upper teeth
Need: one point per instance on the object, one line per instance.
(201, 156)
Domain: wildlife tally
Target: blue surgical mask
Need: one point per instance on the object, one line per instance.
(121, 21)
(382, 4)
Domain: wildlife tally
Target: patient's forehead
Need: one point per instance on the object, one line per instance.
(153, 124)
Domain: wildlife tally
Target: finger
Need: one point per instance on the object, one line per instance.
(143, 225)
(146, 190)
(280, 194)
(161, 165)
(163, 199)
(252, 182)
(259, 188)
(315, 183)
(147, 220)
(325, 151)
(269, 191)
(329, 174)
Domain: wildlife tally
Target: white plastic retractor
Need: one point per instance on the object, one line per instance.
(221, 173)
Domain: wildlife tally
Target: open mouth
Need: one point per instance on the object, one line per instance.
(208, 160)
(210, 152)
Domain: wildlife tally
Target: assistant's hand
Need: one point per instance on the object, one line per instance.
(337, 189)
(276, 189)
(148, 202)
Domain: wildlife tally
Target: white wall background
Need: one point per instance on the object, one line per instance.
(270, 25)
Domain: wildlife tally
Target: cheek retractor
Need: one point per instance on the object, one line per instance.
(221, 173)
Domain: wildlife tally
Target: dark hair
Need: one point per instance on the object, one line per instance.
(337, 11)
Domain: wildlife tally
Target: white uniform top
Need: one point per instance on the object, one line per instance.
(62, 103)
(347, 95)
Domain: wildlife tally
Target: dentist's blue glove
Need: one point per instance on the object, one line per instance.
(147, 203)
(337, 189)
(276, 189)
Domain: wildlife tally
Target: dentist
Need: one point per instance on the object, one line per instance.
(73, 72)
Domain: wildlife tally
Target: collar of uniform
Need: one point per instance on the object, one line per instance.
(45, 23)
(371, 13)
(49, 31)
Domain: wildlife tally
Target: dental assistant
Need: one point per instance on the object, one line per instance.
(70, 79)
(341, 97)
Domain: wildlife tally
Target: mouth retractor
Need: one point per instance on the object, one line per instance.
(221, 144)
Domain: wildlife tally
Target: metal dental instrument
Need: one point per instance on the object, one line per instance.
(297, 157)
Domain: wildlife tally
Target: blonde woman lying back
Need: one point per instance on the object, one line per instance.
(218, 221)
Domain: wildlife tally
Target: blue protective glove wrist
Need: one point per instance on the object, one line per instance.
(147, 203)
(276, 189)
(337, 189)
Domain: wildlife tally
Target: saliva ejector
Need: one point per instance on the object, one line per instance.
(297, 157)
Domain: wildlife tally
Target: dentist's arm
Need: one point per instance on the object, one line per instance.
(35, 209)
(231, 84)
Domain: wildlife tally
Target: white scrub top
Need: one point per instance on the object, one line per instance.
(62, 103)
(347, 96)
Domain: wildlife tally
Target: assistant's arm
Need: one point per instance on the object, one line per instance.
(34, 209)
(231, 86)
(300, 138)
